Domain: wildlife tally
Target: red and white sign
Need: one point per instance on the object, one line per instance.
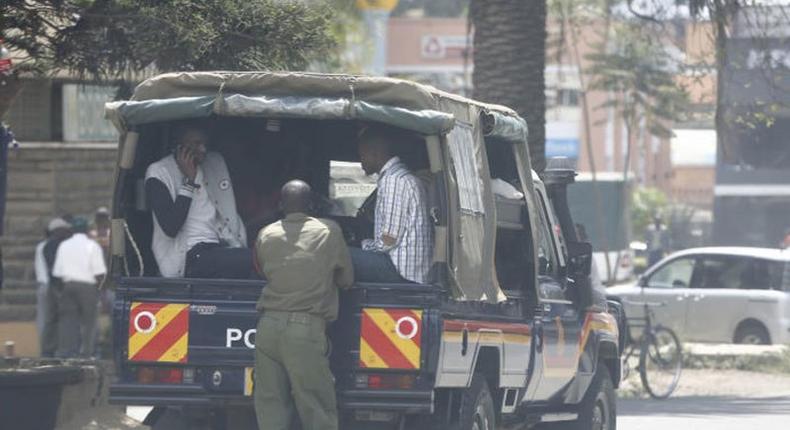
(442, 47)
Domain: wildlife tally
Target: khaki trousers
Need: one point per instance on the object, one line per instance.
(292, 373)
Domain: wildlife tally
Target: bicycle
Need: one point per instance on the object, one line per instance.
(660, 354)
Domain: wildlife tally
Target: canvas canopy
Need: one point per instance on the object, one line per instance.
(395, 102)
(458, 122)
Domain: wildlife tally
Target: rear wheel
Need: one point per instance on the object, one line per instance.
(598, 409)
(476, 411)
(477, 407)
(660, 362)
(752, 334)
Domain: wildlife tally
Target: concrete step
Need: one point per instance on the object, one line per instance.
(16, 284)
(17, 312)
(18, 297)
(18, 270)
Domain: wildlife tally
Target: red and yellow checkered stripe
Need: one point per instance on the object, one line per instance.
(390, 339)
(158, 332)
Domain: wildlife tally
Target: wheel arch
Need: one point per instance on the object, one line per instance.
(489, 364)
(751, 322)
(609, 356)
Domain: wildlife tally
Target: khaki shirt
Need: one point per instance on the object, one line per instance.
(305, 261)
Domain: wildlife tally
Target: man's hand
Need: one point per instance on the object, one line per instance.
(185, 158)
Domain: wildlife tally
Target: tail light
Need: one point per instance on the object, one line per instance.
(385, 381)
(160, 375)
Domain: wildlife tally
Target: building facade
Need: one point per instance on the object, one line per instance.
(752, 194)
(64, 164)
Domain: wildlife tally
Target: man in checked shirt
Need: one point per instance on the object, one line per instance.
(402, 245)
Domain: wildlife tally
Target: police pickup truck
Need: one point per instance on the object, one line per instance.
(509, 332)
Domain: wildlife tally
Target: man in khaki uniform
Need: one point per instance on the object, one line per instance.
(305, 261)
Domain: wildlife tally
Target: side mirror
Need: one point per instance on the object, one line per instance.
(641, 281)
(677, 283)
(580, 256)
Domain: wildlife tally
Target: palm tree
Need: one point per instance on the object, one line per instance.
(509, 58)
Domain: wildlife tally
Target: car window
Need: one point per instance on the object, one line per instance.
(765, 275)
(729, 273)
(782, 276)
(772, 275)
(675, 274)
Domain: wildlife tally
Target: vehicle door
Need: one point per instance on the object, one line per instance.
(560, 320)
(668, 290)
(719, 297)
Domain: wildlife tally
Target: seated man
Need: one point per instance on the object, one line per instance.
(402, 244)
(197, 231)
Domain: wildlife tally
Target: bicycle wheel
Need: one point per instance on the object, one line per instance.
(660, 362)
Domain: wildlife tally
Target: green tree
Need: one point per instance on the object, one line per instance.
(510, 57)
(108, 39)
(642, 81)
(646, 204)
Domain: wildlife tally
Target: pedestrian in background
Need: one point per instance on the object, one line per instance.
(100, 232)
(42, 283)
(80, 265)
(59, 230)
(657, 236)
(305, 261)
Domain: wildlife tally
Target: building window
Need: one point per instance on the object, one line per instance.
(567, 97)
(83, 113)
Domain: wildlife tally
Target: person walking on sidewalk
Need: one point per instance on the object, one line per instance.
(79, 263)
(58, 231)
(305, 261)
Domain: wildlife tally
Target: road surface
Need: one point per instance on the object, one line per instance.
(705, 400)
(704, 413)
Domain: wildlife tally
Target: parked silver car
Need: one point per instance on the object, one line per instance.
(720, 294)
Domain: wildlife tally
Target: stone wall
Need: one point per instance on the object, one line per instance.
(47, 180)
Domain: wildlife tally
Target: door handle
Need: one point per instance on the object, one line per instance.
(464, 341)
(680, 298)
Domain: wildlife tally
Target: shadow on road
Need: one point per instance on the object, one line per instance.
(704, 405)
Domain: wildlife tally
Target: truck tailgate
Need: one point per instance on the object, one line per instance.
(184, 339)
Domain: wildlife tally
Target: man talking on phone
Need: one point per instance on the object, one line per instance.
(197, 231)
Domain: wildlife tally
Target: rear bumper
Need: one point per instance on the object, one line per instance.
(403, 401)
(170, 395)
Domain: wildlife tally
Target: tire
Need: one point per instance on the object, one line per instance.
(660, 362)
(477, 407)
(476, 411)
(752, 334)
(598, 408)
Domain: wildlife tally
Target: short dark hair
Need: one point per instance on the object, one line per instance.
(179, 129)
(385, 133)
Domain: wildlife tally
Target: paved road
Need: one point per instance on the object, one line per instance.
(705, 413)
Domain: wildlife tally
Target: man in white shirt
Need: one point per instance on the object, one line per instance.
(402, 245)
(79, 263)
(42, 281)
(198, 232)
(58, 230)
